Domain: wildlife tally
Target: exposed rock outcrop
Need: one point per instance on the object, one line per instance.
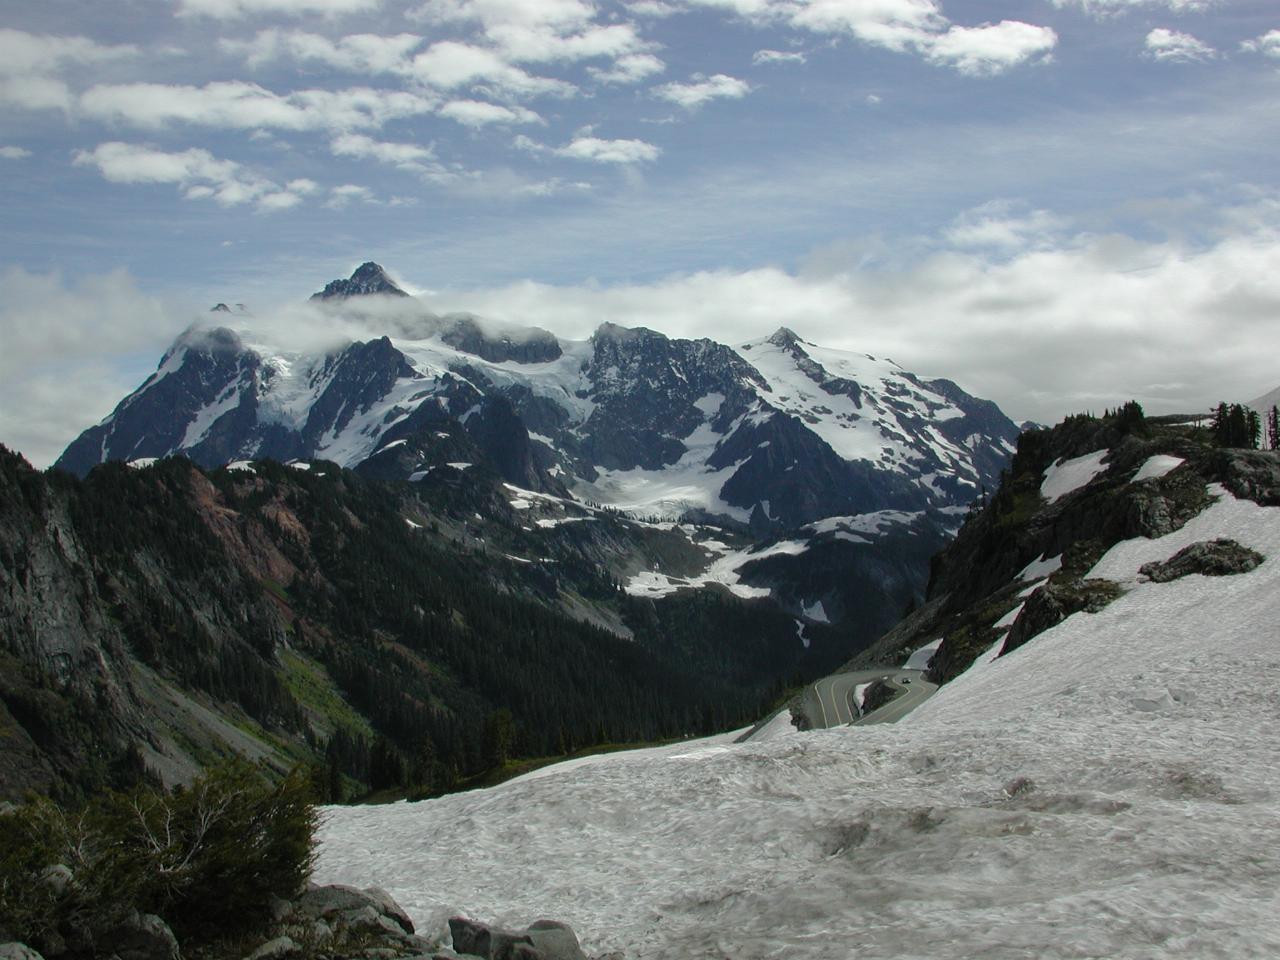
(1213, 558)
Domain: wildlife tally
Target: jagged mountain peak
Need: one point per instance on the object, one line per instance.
(368, 279)
(220, 308)
(786, 338)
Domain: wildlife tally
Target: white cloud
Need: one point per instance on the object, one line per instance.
(476, 113)
(28, 53)
(895, 24)
(1268, 44)
(364, 53)
(59, 369)
(236, 9)
(341, 196)
(595, 150)
(539, 31)
(238, 105)
(650, 8)
(632, 68)
(201, 175)
(1074, 323)
(1110, 8)
(410, 156)
(1163, 44)
(703, 89)
(777, 56)
(991, 48)
(14, 153)
(30, 65)
(903, 26)
(999, 225)
(449, 64)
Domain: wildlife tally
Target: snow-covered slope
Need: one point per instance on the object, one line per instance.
(776, 432)
(1107, 790)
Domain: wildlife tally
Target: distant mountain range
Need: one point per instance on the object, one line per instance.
(771, 433)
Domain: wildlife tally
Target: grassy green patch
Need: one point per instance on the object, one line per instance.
(312, 687)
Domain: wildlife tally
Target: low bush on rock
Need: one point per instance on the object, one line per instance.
(208, 859)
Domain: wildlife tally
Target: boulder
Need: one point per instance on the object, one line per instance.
(1213, 558)
(480, 940)
(348, 906)
(18, 951)
(144, 936)
(555, 940)
(276, 949)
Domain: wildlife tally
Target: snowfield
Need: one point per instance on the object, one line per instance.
(1109, 790)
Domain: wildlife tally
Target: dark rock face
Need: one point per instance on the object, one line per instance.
(530, 345)
(1212, 558)
(1053, 603)
(368, 279)
(204, 369)
(645, 386)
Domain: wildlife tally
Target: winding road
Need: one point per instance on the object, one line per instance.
(829, 702)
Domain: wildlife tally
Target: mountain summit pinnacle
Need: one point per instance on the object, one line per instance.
(369, 278)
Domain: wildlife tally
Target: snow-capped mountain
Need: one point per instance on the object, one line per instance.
(774, 433)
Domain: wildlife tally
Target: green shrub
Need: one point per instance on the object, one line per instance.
(207, 858)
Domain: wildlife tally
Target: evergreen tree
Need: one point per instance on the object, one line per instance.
(1273, 428)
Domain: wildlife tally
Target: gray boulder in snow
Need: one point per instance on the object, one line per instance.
(543, 940)
(1213, 558)
(475, 939)
(349, 906)
(555, 940)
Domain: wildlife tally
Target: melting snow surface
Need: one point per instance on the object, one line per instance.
(1145, 737)
(1065, 476)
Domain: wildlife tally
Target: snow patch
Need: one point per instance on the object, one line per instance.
(1157, 466)
(1040, 568)
(1066, 476)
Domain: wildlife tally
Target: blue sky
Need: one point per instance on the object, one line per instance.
(1058, 203)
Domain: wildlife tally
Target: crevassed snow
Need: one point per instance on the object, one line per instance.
(1146, 737)
(1065, 476)
(1157, 466)
(1040, 568)
(672, 491)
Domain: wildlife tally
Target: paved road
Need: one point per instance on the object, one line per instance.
(828, 702)
(916, 692)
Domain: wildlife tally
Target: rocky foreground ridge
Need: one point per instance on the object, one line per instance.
(332, 922)
(1020, 564)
